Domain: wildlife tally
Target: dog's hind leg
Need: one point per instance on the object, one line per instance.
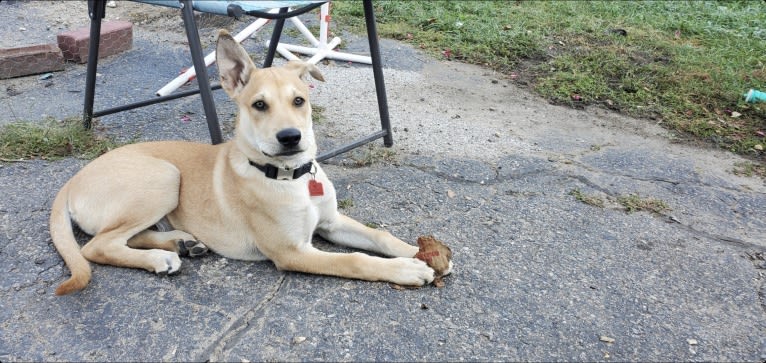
(111, 248)
(176, 241)
(116, 204)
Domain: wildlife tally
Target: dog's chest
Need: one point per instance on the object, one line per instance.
(256, 233)
(288, 219)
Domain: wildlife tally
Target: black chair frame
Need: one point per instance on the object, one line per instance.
(97, 11)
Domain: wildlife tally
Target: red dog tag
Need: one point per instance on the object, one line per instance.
(315, 188)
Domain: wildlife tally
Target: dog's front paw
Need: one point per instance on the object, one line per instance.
(191, 248)
(412, 272)
(165, 262)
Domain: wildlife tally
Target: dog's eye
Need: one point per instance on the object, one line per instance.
(259, 105)
(298, 101)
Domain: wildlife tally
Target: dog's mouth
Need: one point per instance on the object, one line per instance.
(283, 153)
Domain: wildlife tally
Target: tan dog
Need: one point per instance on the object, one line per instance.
(259, 196)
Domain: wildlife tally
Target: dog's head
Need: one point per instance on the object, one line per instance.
(274, 124)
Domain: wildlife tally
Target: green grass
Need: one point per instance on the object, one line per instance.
(683, 64)
(372, 154)
(345, 203)
(317, 113)
(635, 203)
(749, 169)
(630, 202)
(51, 140)
(587, 198)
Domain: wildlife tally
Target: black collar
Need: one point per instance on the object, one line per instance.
(276, 173)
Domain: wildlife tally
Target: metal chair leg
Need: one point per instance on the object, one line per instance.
(275, 35)
(377, 71)
(96, 12)
(195, 47)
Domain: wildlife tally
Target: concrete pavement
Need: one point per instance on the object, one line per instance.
(483, 165)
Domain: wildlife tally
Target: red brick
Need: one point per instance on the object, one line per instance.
(116, 37)
(17, 62)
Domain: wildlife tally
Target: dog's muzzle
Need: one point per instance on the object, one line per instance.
(289, 138)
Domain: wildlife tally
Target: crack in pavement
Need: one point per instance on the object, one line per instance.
(731, 241)
(229, 338)
(451, 178)
(699, 183)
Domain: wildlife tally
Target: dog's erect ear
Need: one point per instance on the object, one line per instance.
(234, 64)
(302, 68)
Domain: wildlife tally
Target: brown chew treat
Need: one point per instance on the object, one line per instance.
(436, 254)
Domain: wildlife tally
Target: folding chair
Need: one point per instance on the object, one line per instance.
(97, 11)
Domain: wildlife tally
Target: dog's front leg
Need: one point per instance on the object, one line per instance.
(399, 270)
(346, 231)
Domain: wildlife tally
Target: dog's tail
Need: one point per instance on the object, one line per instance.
(63, 239)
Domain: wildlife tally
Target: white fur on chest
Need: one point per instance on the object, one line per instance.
(290, 217)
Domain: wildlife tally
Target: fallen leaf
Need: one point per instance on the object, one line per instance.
(450, 193)
(692, 341)
(576, 97)
(758, 147)
(606, 339)
(735, 114)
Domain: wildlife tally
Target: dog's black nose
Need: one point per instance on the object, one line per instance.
(289, 137)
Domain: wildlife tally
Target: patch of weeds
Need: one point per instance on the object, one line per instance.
(749, 169)
(317, 114)
(345, 203)
(291, 32)
(373, 154)
(372, 225)
(634, 203)
(587, 199)
(52, 140)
